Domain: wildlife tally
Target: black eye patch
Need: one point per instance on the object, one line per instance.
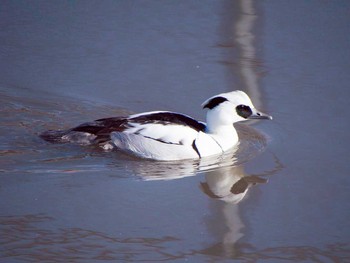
(244, 111)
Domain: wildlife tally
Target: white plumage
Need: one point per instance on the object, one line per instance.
(164, 135)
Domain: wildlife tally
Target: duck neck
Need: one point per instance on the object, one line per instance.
(220, 128)
(218, 123)
(225, 135)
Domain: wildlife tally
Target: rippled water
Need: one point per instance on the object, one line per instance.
(61, 175)
(282, 196)
(26, 116)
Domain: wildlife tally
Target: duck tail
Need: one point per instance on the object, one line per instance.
(55, 136)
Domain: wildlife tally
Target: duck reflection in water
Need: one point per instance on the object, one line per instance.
(226, 184)
(229, 184)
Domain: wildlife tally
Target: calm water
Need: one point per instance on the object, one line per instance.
(64, 63)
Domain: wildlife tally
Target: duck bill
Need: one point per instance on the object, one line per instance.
(259, 116)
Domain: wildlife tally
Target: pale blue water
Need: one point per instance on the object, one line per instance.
(63, 63)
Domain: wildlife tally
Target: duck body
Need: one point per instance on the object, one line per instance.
(164, 135)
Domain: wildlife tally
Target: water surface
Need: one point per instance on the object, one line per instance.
(281, 197)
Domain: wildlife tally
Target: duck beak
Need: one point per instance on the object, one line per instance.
(256, 115)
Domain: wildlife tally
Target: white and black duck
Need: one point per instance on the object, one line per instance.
(164, 135)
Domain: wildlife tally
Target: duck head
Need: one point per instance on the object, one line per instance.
(227, 108)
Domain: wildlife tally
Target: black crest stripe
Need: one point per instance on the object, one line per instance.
(214, 102)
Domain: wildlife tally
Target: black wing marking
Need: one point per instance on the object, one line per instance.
(167, 118)
(117, 123)
(194, 146)
(102, 128)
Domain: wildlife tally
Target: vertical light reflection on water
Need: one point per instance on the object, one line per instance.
(244, 37)
(231, 185)
(219, 185)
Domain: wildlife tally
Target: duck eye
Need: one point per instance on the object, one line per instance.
(244, 111)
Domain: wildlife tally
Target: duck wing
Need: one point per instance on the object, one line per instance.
(165, 127)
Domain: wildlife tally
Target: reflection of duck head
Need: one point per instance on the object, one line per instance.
(229, 184)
